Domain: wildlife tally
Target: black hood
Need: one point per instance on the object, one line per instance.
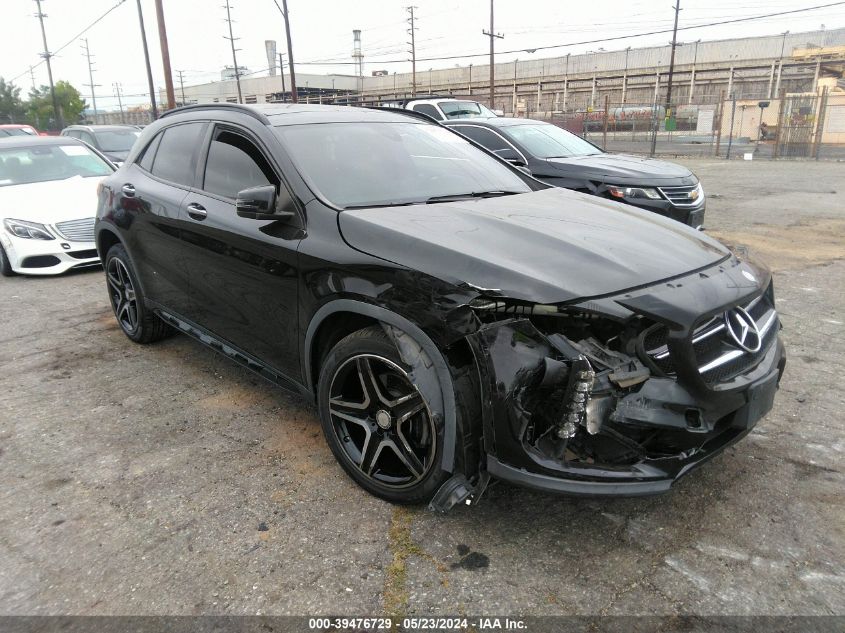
(622, 169)
(547, 246)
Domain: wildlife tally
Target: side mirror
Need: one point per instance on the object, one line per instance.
(511, 156)
(262, 203)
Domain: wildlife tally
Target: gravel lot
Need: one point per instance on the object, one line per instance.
(166, 480)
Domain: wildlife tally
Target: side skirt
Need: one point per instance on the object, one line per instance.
(230, 351)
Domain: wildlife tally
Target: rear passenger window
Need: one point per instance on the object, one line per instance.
(235, 163)
(146, 161)
(173, 158)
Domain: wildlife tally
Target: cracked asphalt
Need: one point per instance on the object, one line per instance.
(166, 480)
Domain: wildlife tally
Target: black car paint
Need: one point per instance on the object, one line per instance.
(269, 293)
(593, 173)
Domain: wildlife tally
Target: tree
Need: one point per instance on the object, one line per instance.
(11, 106)
(40, 105)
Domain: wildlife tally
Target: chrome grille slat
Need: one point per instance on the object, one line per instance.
(718, 358)
(679, 196)
(81, 230)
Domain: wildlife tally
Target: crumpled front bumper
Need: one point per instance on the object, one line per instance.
(674, 423)
(649, 476)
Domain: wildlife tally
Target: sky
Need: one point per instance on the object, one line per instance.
(322, 34)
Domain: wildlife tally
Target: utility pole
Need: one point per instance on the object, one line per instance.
(117, 94)
(493, 36)
(154, 109)
(672, 62)
(282, 73)
(293, 95)
(92, 85)
(32, 77)
(232, 39)
(411, 20)
(182, 84)
(165, 56)
(57, 111)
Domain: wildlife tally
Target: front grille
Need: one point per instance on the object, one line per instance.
(685, 196)
(81, 230)
(717, 356)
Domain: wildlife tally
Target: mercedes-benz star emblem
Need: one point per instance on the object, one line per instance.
(743, 329)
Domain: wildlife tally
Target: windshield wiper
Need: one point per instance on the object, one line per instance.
(469, 196)
(379, 206)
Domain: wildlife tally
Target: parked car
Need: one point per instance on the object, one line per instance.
(452, 318)
(16, 129)
(563, 159)
(47, 202)
(444, 108)
(114, 141)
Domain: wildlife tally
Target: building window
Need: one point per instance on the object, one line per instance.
(251, 99)
(231, 99)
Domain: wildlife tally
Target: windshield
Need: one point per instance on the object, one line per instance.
(545, 140)
(17, 131)
(117, 140)
(23, 165)
(370, 164)
(464, 110)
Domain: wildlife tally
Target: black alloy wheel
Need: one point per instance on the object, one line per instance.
(127, 300)
(382, 421)
(377, 422)
(124, 301)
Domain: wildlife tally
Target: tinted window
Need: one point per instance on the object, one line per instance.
(88, 138)
(39, 163)
(117, 140)
(365, 164)
(427, 108)
(545, 140)
(146, 161)
(485, 137)
(234, 163)
(464, 110)
(173, 159)
(73, 133)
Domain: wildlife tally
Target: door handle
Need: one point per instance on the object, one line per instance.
(197, 211)
(128, 190)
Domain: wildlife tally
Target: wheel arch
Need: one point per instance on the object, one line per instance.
(333, 321)
(106, 238)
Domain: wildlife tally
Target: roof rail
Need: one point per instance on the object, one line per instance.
(411, 113)
(245, 109)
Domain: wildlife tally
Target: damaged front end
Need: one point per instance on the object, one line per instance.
(624, 395)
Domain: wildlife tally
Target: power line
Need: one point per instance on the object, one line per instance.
(595, 41)
(73, 39)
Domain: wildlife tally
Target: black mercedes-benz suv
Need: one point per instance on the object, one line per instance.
(562, 159)
(452, 318)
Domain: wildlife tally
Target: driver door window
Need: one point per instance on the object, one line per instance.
(234, 163)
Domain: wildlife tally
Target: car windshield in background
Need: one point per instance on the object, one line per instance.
(24, 165)
(379, 164)
(16, 131)
(464, 110)
(545, 140)
(117, 140)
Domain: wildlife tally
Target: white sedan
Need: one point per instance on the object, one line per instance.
(48, 197)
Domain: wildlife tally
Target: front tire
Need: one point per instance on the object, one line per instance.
(5, 264)
(376, 421)
(127, 300)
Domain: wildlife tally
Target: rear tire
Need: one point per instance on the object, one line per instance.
(377, 423)
(5, 264)
(127, 300)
